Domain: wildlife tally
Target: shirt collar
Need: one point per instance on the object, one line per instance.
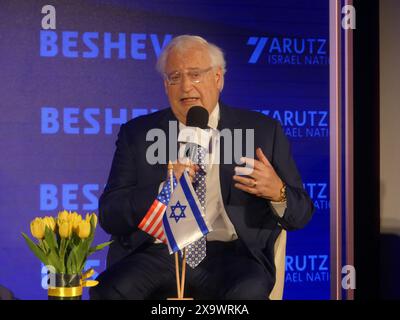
(214, 117)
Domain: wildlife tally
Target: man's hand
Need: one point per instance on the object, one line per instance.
(262, 179)
(181, 165)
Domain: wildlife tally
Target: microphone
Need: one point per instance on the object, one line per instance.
(197, 117)
(194, 134)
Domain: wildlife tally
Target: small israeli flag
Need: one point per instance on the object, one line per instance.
(184, 220)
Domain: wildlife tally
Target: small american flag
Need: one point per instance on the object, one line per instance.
(152, 221)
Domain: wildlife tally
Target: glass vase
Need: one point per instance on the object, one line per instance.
(64, 287)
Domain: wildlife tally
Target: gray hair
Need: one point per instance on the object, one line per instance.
(187, 41)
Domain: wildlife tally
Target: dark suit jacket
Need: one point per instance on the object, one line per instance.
(133, 185)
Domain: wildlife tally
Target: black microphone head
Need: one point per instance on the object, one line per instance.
(197, 116)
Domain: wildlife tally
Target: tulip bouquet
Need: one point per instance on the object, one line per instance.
(64, 242)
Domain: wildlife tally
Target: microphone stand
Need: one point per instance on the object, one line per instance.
(180, 280)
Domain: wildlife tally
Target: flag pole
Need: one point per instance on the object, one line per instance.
(180, 285)
(183, 273)
(171, 181)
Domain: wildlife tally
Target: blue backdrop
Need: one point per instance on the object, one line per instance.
(65, 91)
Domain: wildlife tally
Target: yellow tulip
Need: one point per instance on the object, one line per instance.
(37, 228)
(73, 216)
(75, 219)
(65, 229)
(49, 222)
(83, 229)
(89, 216)
(63, 215)
(95, 219)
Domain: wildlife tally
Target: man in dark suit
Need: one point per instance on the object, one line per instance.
(247, 208)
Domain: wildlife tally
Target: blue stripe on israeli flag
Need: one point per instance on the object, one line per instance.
(169, 234)
(193, 205)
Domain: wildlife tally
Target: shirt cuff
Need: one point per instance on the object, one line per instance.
(278, 208)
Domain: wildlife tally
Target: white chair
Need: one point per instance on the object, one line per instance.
(279, 259)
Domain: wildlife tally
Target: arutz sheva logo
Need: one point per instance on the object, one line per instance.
(286, 50)
(295, 50)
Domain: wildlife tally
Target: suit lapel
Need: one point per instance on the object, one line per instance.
(226, 171)
(164, 125)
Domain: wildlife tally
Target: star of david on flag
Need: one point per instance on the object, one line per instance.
(178, 211)
(152, 221)
(184, 221)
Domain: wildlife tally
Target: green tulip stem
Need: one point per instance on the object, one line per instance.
(42, 245)
(62, 252)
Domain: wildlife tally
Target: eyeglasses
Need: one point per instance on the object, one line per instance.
(195, 76)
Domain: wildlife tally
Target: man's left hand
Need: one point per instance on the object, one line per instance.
(261, 179)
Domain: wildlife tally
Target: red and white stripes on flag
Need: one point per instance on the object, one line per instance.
(152, 221)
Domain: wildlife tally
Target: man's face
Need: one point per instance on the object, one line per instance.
(186, 94)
